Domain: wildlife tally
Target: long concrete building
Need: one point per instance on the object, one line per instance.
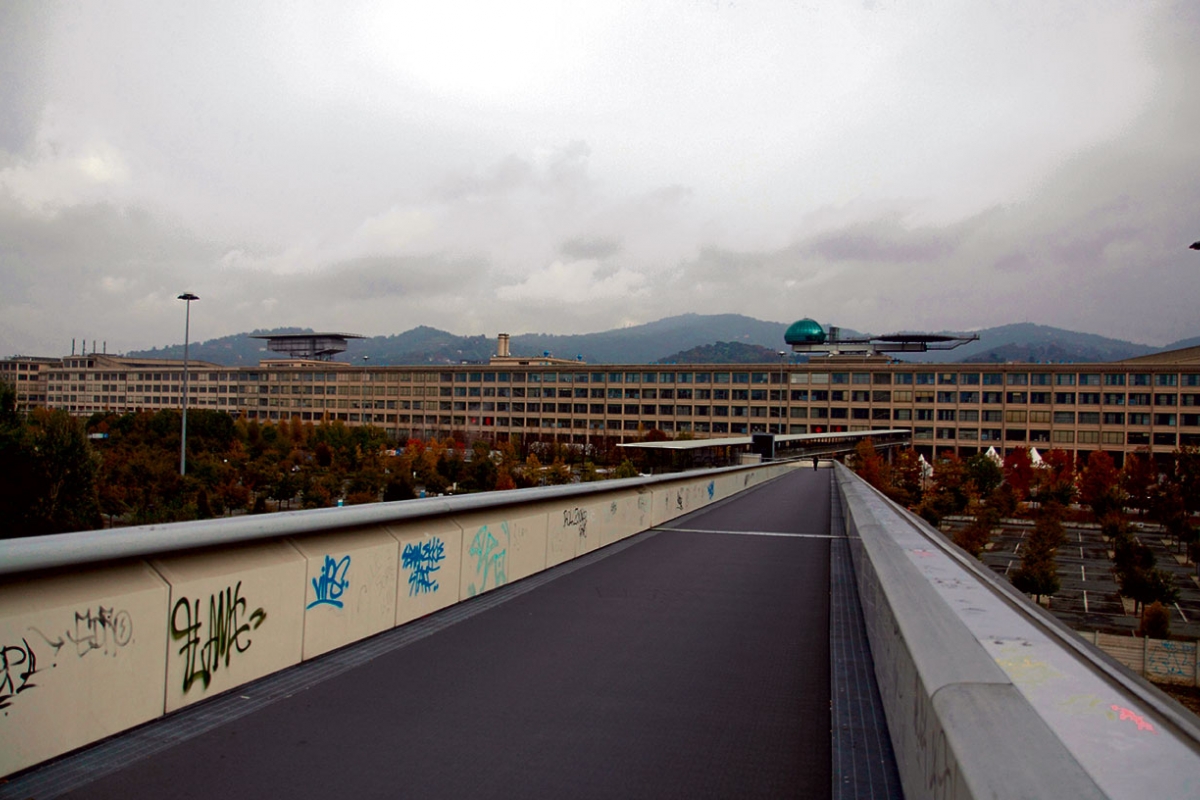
(1152, 402)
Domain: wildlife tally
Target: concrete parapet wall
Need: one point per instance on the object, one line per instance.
(235, 615)
(984, 695)
(91, 646)
(83, 657)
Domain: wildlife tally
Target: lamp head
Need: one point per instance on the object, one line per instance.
(187, 296)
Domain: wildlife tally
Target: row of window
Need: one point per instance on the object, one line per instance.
(624, 377)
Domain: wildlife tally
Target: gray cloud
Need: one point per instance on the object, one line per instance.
(883, 241)
(590, 247)
(380, 277)
(901, 167)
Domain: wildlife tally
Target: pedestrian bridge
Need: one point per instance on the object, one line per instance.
(761, 631)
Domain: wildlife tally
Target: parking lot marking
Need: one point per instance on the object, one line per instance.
(1181, 614)
(1085, 606)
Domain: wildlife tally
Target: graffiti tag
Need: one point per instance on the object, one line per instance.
(332, 582)
(1126, 715)
(226, 633)
(422, 559)
(18, 663)
(103, 629)
(490, 558)
(712, 488)
(576, 517)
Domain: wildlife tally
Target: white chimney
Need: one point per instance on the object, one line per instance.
(502, 346)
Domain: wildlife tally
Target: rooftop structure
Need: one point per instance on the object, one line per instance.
(308, 346)
(504, 357)
(807, 336)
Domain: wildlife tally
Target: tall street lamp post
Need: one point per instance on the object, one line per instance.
(782, 392)
(187, 297)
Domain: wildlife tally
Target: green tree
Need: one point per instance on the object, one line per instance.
(625, 469)
(1137, 576)
(1038, 573)
(984, 472)
(974, 536)
(51, 471)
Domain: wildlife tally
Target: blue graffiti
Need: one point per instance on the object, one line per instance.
(490, 557)
(711, 489)
(332, 583)
(423, 559)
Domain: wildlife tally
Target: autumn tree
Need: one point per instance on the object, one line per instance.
(1019, 472)
(1139, 475)
(950, 492)
(870, 466)
(1057, 477)
(906, 477)
(1100, 485)
(1156, 621)
(558, 474)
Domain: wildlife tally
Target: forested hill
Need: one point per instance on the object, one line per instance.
(724, 353)
(689, 338)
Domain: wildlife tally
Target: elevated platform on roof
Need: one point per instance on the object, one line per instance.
(308, 346)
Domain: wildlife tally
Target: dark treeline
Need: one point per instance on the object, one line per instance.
(66, 474)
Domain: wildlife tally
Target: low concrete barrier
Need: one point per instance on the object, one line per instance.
(987, 696)
(1159, 660)
(104, 630)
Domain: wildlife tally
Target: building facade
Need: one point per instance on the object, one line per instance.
(1150, 403)
(29, 376)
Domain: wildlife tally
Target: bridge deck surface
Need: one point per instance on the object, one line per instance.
(693, 662)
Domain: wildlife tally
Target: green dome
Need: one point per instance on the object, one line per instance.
(806, 331)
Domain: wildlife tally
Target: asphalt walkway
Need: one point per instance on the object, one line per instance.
(692, 662)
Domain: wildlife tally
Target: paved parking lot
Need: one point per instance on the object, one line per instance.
(1089, 599)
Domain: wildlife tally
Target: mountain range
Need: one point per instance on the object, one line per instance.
(689, 338)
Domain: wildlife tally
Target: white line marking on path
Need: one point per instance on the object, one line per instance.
(755, 533)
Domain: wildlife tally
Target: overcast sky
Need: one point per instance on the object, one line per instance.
(533, 167)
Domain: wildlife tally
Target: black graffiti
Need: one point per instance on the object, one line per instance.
(102, 629)
(14, 679)
(576, 517)
(226, 633)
